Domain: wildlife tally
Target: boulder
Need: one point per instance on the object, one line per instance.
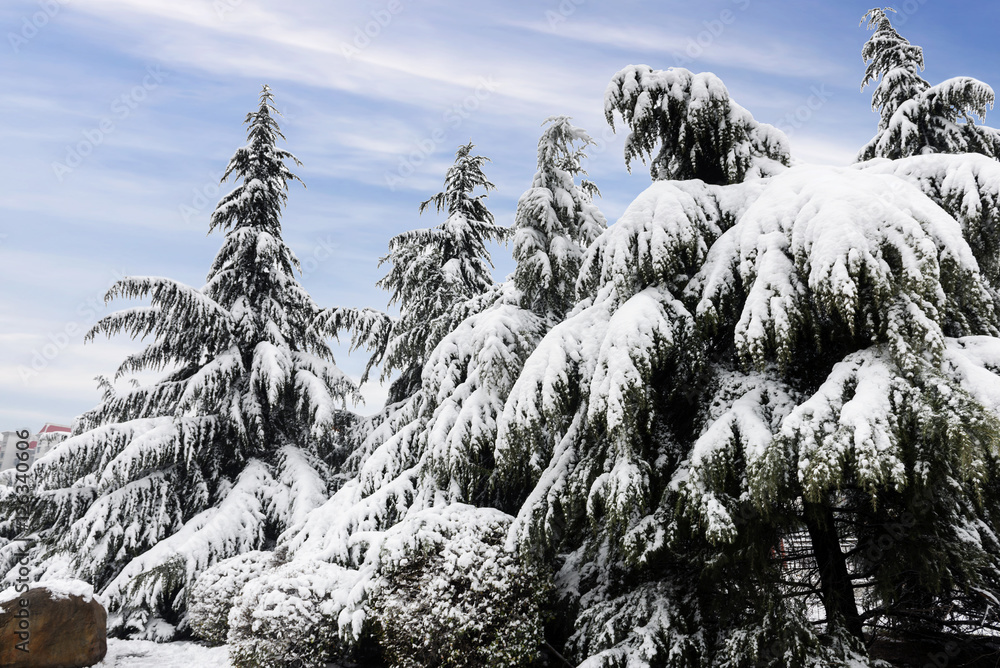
(52, 625)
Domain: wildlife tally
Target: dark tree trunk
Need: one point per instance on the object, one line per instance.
(835, 581)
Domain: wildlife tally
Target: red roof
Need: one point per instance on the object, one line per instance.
(52, 428)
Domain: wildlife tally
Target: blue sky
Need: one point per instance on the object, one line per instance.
(119, 115)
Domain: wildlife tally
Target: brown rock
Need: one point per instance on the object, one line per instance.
(48, 629)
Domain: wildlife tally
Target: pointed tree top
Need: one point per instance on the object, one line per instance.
(464, 176)
(876, 18)
(886, 48)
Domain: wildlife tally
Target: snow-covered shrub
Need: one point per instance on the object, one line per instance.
(288, 616)
(452, 595)
(213, 593)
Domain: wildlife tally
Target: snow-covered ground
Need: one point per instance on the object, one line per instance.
(147, 654)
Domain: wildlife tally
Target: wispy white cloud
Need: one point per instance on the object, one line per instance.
(685, 46)
(39, 389)
(256, 43)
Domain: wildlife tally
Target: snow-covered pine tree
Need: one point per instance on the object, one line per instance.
(435, 272)
(915, 117)
(869, 403)
(893, 59)
(234, 443)
(434, 452)
(555, 222)
(701, 132)
(746, 358)
(599, 420)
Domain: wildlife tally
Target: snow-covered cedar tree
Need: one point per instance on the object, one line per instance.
(213, 593)
(230, 446)
(915, 117)
(452, 596)
(858, 313)
(288, 616)
(435, 272)
(805, 360)
(701, 132)
(555, 222)
(599, 420)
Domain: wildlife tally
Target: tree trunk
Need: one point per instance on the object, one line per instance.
(835, 582)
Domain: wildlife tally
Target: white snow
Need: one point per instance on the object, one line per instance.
(59, 589)
(148, 654)
(807, 246)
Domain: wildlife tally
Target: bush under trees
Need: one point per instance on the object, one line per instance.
(214, 592)
(456, 597)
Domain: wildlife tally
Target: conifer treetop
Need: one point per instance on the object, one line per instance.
(700, 131)
(555, 222)
(915, 117)
(259, 159)
(462, 178)
(438, 272)
(894, 60)
(563, 147)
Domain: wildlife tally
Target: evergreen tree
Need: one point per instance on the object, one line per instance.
(555, 222)
(436, 272)
(234, 443)
(893, 59)
(601, 419)
(702, 133)
(854, 337)
(915, 117)
(812, 357)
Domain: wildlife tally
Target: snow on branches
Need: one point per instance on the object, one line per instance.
(914, 116)
(827, 253)
(967, 186)
(701, 132)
